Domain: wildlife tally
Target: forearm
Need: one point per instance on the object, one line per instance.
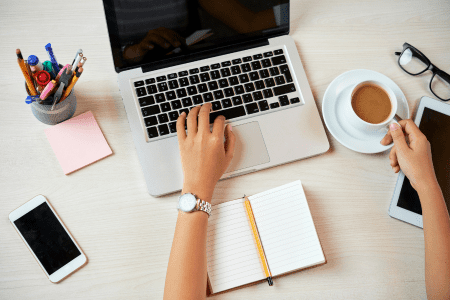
(436, 226)
(186, 273)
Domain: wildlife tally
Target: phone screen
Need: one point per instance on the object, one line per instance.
(436, 127)
(47, 238)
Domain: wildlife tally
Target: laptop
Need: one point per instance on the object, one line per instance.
(172, 55)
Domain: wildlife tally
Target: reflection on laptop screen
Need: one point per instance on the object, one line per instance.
(150, 31)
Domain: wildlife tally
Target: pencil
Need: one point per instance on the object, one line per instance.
(262, 256)
(72, 83)
(24, 70)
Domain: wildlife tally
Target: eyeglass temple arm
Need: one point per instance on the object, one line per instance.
(398, 53)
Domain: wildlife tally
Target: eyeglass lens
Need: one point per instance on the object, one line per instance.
(411, 62)
(440, 87)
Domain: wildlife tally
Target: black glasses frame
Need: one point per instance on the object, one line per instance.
(430, 67)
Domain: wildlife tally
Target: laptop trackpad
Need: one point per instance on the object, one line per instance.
(250, 149)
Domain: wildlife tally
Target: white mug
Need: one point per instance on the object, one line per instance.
(362, 125)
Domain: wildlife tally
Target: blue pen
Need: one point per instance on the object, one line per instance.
(49, 49)
(31, 99)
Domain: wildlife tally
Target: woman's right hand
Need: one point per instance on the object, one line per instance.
(413, 159)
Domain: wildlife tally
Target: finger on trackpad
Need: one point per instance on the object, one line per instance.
(250, 149)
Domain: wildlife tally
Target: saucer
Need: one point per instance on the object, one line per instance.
(333, 111)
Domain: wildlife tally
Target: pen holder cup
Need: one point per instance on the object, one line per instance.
(61, 112)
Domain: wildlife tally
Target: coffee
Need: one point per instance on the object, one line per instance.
(371, 103)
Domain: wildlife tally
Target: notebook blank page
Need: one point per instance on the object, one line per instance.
(231, 251)
(286, 228)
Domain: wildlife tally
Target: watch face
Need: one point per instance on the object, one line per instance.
(187, 202)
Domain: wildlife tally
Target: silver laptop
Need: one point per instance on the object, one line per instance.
(172, 55)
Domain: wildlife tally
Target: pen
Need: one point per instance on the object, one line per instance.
(52, 57)
(262, 256)
(24, 70)
(76, 56)
(76, 61)
(81, 63)
(72, 83)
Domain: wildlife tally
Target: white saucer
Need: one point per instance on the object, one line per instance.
(332, 110)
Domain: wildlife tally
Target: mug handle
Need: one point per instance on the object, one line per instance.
(385, 129)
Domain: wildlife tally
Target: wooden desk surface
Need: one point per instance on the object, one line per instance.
(127, 234)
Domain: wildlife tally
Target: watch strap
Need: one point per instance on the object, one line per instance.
(204, 206)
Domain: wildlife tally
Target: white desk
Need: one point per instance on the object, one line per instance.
(127, 234)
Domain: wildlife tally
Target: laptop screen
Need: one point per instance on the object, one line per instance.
(155, 31)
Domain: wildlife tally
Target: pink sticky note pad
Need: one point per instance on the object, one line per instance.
(78, 142)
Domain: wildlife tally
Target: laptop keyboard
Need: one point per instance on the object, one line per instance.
(235, 88)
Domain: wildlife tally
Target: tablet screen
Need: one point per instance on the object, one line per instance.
(436, 127)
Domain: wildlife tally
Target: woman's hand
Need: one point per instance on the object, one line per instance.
(204, 154)
(413, 159)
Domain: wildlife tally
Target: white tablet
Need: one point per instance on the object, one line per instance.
(433, 119)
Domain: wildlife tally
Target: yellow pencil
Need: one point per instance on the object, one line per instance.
(262, 256)
(71, 84)
(24, 70)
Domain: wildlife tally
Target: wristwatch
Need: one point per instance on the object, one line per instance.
(190, 203)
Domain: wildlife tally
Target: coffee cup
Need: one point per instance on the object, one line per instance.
(371, 107)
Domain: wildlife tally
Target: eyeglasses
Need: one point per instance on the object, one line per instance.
(414, 62)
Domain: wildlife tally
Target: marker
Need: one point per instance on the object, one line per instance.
(71, 85)
(35, 64)
(52, 57)
(24, 70)
(31, 99)
(76, 56)
(48, 90)
(47, 66)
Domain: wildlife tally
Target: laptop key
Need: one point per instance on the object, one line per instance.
(171, 95)
(152, 132)
(257, 96)
(204, 77)
(163, 118)
(229, 113)
(236, 61)
(283, 100)
(173, 115)
(197, 99)
(138, 83)
(263, 105)
(173, 84)
(194, 79)
(253, 75)
(202, 88)
(268, 54)
(226, 103)
(238, 89)
(268, 93)
(150, 81)
(284, 89)
(204, 69)
(256, 65)
(295, 100)
(173, 127)
(151, 110)
(213, 85)
(194, 71)
(150, 121)
(185, 110)
(215, 74)
(160, 98)
(278, 60)
(215, 66)
(183, 82)
(233, 80)
(223, 83)
(208, 97)
(163, 129)
(247, 58)
(183, 73)
(288, 76)
(246, 68)
(243, 78)
(149, 100)
(269, 82)
(228, 92)
(259, 84)
(176, 104)
(252, 108)
(257, 56)
(274, 71)
(278, 52)
(226, 64)
(247, 98)
(225, 72)
(237, 100)
(192, 90)
(181, 93)
(186, 102)
(274, 105)
(172, 76)
(249, 87)
(235, 70)
(165, 107)
(284, 69)
(161, 78)
(162, 87)
(141, 92)
(216, 105)
(280, 80)
(266, 63)
(218, 94)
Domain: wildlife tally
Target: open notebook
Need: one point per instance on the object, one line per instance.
(286, 231)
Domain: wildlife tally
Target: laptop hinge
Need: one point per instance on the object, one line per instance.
(204, 55)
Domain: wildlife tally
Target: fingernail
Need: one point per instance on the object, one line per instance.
(183, 113)
(394, 126)
(231, 127)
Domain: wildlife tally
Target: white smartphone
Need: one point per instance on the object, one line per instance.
(48, 239)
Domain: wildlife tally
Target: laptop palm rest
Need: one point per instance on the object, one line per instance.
(250, 149)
